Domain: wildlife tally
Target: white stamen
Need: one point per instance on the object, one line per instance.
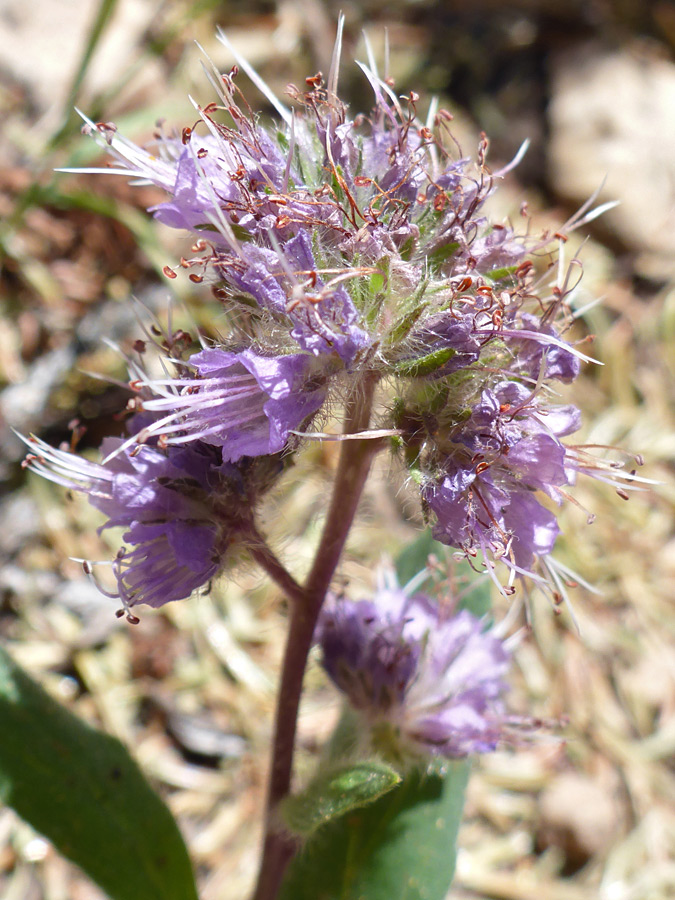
(357, 436)
(334, 72)
(517, 159)
(264, 89)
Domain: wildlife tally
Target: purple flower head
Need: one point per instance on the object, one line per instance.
(484, 499)
(243, 402)
(495, 250)
(360, 248)
(473, 513)
(299, 219)
(432, 682)
(288, 282)
(180, 511)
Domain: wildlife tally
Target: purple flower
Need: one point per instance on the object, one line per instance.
(321, 314)
(561, 364)
(180, 510)
(243, 402)
(483, 498)
(300, 217)
(450, 332)
(351, 249)
(473, 513)
(427, 682)
(495, 250)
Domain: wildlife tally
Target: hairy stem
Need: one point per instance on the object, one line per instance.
(352, 471)
(276, 570)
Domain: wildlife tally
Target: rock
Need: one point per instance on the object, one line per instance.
(580, 815)
(23, 406)
(41, 44)
(19, 521)
(612, 115)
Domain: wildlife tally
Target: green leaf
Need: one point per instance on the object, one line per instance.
(376, 282)
(503, 272)
(413, 558)
(442, 254)
(336, 792)
(402, 847)
(82, 790)
(405, 325)
(425, 365)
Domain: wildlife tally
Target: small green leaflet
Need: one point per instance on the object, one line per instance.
(336, 792)
(425, 365)
(401, 847)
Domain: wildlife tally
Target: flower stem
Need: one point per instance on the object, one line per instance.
(276, 570)
(352, 471)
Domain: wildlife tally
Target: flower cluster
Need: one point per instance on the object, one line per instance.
(426, 681)
(245, 403)
(181, 509)
(184, 499)
(346, 249)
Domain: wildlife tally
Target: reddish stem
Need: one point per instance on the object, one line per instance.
(352, 472)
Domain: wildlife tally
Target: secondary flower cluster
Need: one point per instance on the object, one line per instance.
(181, 510)
(184, 497)
(342, 249)
(425, 680)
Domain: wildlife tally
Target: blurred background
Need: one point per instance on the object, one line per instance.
(191, 689)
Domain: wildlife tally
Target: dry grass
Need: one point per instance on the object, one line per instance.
(191, 689)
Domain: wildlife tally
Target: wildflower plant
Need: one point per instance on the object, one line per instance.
(358, 272)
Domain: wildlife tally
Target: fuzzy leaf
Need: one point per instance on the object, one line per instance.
(503, 272)
(336, 792)
(425, 365)
(402, 847)
(82, 790)
(441, 254)
(376, 282)
(405, 325)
